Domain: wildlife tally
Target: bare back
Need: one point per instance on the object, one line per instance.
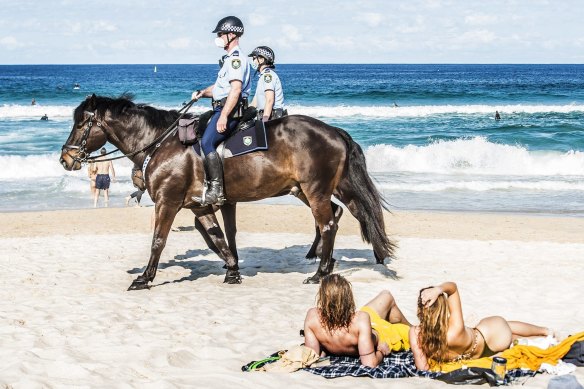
(103, 167)
(357, 340)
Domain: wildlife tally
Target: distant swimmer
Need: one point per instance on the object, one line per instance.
(45, 117)
(497, 116)
(76, 86)
(33, 102)
(395, 105)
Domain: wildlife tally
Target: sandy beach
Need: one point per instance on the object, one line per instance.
(68, 321)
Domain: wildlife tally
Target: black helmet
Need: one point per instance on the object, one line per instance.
(264, 51)
(229, 24)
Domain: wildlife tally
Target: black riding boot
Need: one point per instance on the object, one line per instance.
(214, 171)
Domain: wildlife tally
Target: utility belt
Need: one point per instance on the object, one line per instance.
(238, 110)
(276, 113)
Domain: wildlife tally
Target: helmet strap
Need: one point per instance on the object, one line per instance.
(229, 40)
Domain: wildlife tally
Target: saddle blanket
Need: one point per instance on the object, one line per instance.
(243, 141)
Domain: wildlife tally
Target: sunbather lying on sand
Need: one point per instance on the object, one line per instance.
(443, 337)
(333, 326)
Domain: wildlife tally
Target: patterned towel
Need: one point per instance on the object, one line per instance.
(396, 365)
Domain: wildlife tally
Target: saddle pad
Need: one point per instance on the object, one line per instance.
(242, 142)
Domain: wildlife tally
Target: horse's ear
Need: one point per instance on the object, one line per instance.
(91, 102)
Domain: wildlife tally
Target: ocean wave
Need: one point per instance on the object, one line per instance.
(483, 186)
(14, 111)
(18, 167)
(465, 157)
(473, 156)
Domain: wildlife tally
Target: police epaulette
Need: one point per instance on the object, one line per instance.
(235, 53)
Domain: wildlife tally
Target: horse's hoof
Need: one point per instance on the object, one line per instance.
(315, 279)
(139, 284)
(232, 277)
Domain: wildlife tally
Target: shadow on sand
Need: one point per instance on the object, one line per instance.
(254, 260)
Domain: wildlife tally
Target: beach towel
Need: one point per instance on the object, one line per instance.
(400, 365)
(518, 357)
(395, 365)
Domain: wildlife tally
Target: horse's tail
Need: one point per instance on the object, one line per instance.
(358, 192)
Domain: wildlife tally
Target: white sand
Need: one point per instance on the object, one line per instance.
(68, 321)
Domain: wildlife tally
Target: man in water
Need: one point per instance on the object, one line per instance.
(497, 116)
(45, 117)
(102, 180)
(333, 326)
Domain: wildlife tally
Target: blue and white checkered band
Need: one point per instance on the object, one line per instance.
(264, 53)
(226, 27)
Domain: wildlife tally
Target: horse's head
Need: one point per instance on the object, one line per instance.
(86, 136)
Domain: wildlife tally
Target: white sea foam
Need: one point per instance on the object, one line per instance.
(17, 167)
(482, 186)
(462, 158)
(473, 156)
(342, 111)
(14, 111)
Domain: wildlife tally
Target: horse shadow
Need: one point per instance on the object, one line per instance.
(254, 260)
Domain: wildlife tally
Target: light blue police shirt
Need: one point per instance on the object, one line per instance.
(235, 67)
(269, 80)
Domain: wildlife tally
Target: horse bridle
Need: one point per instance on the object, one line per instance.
(85, 155)
(82, 155)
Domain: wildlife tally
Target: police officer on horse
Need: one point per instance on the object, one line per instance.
(229, 93)
(269, 97)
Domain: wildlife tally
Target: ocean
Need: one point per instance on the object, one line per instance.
(429, 131)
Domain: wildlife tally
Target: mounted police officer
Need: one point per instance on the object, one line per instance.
(269, 97)
(229, 93)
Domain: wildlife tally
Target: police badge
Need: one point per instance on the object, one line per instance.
(247, 140)
(268, 78)
(235, 64)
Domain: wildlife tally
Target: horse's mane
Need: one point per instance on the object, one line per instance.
(124, 105)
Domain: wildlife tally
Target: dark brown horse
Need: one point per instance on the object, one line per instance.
(306, 157)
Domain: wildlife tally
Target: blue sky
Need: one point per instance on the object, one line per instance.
(300, 31)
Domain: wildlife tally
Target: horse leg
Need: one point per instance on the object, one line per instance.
(199, 227)
(324, 217)
(209, 222)
(316, 248)
(228, 211)
(165, 214)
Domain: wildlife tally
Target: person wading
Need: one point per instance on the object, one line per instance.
(229, 93)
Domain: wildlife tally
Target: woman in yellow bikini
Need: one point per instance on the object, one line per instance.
(443, 337)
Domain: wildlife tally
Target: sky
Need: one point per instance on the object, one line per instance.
(299, 31)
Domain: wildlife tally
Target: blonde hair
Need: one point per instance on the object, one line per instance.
(335, 302)
(433, 328)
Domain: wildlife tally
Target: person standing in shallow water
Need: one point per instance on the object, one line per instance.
(497, 116)
(92, 173)
(103, 179)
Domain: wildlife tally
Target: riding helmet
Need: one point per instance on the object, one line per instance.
(264, 51)
(229, 24)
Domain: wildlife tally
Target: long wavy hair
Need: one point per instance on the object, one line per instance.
(335, 302)
(433, 328)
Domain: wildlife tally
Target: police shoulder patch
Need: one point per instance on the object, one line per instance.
(267, 78)
(236, 63)
(235, 53)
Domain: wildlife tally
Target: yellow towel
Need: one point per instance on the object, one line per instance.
(521, 356)
(395, 335)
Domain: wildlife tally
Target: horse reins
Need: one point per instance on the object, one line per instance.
(83, 157)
